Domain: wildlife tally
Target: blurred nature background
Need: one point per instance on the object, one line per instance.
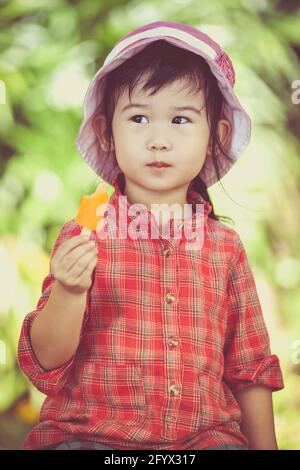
(49, 52)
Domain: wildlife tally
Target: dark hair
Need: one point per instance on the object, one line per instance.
(166, 64)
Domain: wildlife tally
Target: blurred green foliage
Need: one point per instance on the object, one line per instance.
(49, 52)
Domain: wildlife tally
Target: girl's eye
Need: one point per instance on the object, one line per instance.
(134, 117)
(140, 115)
(182, 117)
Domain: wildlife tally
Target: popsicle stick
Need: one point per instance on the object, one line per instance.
(86, 232)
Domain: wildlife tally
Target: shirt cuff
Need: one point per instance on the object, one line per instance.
(265, 372)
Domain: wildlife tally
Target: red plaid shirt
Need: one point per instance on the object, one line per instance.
(168, 335)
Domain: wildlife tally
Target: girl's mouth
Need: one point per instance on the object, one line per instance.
(159, 165)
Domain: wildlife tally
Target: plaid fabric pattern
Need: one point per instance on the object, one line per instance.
(168, 335)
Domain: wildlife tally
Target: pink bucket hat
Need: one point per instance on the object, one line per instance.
(186, 37)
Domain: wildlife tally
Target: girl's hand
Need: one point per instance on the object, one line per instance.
(73, 264)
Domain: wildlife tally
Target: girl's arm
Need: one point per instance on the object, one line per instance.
(257, 417)
(251, 371)
(51, 381)
(55, 332)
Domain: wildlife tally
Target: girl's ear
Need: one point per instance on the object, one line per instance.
(99, 126)
(224, 132)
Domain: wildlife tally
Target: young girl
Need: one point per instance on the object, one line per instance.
(139, 342)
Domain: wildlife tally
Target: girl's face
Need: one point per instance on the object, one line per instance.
(152, 129)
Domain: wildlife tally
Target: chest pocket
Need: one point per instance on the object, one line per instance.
(115, 390)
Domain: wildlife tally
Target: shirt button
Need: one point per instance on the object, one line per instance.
(174, 390)
(170, 298)
(166, 251)
(172, 342)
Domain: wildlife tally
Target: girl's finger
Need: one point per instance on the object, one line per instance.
(89, 269)
(77, 269)
(69, 245)
(72, 259)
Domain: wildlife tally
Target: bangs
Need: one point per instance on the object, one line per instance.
(157, 66)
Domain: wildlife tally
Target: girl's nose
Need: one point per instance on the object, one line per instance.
(159, 143)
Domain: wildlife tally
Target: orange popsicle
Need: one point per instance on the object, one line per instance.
(87, 213)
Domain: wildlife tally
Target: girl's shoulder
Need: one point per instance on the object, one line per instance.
(224, 237)
(224, 240)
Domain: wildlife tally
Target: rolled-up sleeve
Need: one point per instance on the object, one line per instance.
(48, 382)
(247, 356)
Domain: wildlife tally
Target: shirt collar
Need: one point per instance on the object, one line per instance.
(192, 224)
(193, 197)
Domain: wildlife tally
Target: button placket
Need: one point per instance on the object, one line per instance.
(173, 359)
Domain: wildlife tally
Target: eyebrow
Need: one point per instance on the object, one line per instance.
(178, 108)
